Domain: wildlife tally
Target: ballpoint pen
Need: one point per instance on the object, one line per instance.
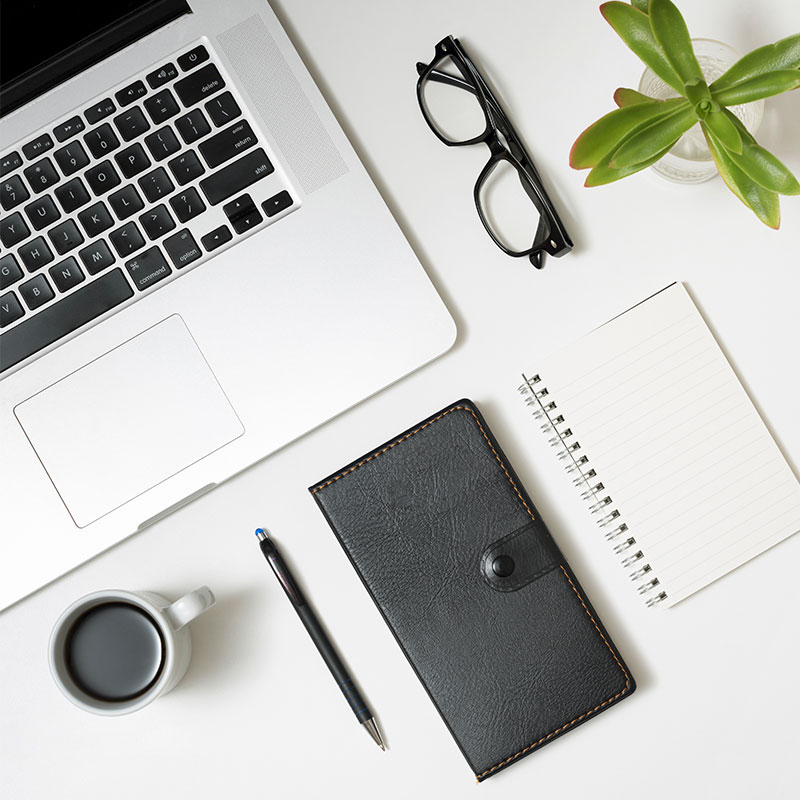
(319, 637)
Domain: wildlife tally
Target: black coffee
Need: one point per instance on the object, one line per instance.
(115, 652)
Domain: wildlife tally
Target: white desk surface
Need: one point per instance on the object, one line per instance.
(257, 715)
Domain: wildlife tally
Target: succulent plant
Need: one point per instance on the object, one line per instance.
(642, 129)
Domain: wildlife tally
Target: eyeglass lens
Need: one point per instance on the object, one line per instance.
(455, 112)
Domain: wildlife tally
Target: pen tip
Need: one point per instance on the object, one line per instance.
(372, 729)
(259, 530)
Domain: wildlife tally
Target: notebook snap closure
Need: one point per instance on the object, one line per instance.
(503, 566)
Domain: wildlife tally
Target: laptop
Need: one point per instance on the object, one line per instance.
(196, 268)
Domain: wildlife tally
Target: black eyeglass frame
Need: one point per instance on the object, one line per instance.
(509, 148)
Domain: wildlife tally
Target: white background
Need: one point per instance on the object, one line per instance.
(257, 715)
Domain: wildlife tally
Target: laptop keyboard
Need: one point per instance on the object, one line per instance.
(106, 206)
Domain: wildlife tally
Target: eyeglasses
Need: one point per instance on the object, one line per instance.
(512, 203)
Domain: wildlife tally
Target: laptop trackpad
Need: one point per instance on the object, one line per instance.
(129, 420)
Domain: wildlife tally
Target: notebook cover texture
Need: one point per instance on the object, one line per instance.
(474, 589)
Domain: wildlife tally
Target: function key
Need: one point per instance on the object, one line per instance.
(159, 77)
(223, 109)
(194, 57)
(39, 145)
(130, 93)
(9, 163)
(99, 111)
(199, 85)
(68, 129)
(41, 175)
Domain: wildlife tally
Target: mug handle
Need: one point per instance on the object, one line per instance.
(191, 605)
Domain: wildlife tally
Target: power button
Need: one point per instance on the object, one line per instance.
(194, 57)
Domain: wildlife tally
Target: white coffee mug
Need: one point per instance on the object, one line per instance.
(170, 620)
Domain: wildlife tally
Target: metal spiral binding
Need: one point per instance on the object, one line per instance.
(593, 491)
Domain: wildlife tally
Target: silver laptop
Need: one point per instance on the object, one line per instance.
(196, 269)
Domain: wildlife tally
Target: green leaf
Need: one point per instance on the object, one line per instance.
(641, 4)
(605, 134)
(784, 54)
(724, 131)
(633, 27)
(604, 173)
(630, 97)
(653, 138)
(766, 85)
(760, 200)
(670, 31)
(763, 167)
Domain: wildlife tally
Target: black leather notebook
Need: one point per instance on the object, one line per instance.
(474, 589)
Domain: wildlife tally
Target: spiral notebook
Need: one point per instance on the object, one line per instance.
(666, 446)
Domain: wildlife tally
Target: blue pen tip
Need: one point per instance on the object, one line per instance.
(260, 530)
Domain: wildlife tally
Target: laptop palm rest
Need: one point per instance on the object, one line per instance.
(138, 415)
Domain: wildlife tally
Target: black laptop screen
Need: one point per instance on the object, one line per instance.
(45, 42)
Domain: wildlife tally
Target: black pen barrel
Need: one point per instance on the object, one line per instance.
(331, 658)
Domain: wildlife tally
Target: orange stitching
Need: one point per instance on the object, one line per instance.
(417, 430)
(586, 713)
(566, 575)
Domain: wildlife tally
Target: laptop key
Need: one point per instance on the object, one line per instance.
(71, 158)
(132, 160)
(131, 93)
(161, 106)
(65, 237)
(131, 124)
(10, 311)
(217, 237)
(66, 130)
(156, 184)
(237, 176)
(194, 57)
(40, 144)
(228, 144)
(187, 204)
(66, 274)
(10, 271)
(13, 230)
(157, 221)
(192, 126)
(101, 140)
(95, 219)
(148, 268)
(162, 75)
(102, 178)
(99, 111)
(72, 195)
(36, 292)
(127, 239)
(182, 248)
(68, 314)
(277, 203)
(186, 167)
(35, 254)
(9, 163)
(41, 175)
(125, 202)
(12, 193)
(162, 143)
(96, 257)
(239, 209)
(199, 85)
(42, 212)
(223, 109)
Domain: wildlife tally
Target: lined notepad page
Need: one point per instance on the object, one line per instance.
(676, 442)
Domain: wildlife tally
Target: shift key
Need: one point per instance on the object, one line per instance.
(239, 175)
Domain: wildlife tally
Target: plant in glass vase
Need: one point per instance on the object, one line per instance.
(643, 129)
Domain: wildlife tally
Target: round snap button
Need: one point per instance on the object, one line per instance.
(503, 566)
